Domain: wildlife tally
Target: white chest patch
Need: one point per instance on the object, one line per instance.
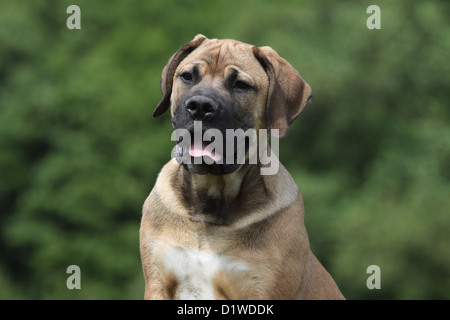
(195, 270)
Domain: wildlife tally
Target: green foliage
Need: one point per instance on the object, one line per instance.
(80, 151)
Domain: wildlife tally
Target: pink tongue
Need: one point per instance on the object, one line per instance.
(199, 150)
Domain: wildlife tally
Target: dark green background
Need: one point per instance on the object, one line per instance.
(79, 150)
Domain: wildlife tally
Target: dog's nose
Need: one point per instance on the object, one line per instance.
(201, 108)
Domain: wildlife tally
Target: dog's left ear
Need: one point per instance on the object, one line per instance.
(169, 71)
(289, 94)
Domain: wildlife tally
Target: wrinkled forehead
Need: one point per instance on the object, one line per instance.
(215, 55)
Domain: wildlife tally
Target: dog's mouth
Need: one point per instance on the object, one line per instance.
(203, 149)
(197, 149)
(204, 157)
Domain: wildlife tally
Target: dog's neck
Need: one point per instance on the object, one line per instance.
(218, 199)
(220, 186)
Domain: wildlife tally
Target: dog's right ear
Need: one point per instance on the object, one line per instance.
(169, 71)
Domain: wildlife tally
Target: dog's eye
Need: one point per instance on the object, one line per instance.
(187, 76)
(241, 85)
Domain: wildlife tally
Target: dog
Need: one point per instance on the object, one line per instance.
(222, 230)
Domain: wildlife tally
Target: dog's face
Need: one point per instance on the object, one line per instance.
(227, 84)
(223, 85)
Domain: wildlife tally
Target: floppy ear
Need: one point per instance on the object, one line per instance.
(289, 94)
(169, 71)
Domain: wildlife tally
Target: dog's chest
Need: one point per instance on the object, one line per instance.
(197, 272)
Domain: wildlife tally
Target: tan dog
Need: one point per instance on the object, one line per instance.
(224, 230)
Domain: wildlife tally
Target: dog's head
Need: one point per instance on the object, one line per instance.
(227, 84)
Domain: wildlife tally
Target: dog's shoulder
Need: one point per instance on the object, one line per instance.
(164, 195)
